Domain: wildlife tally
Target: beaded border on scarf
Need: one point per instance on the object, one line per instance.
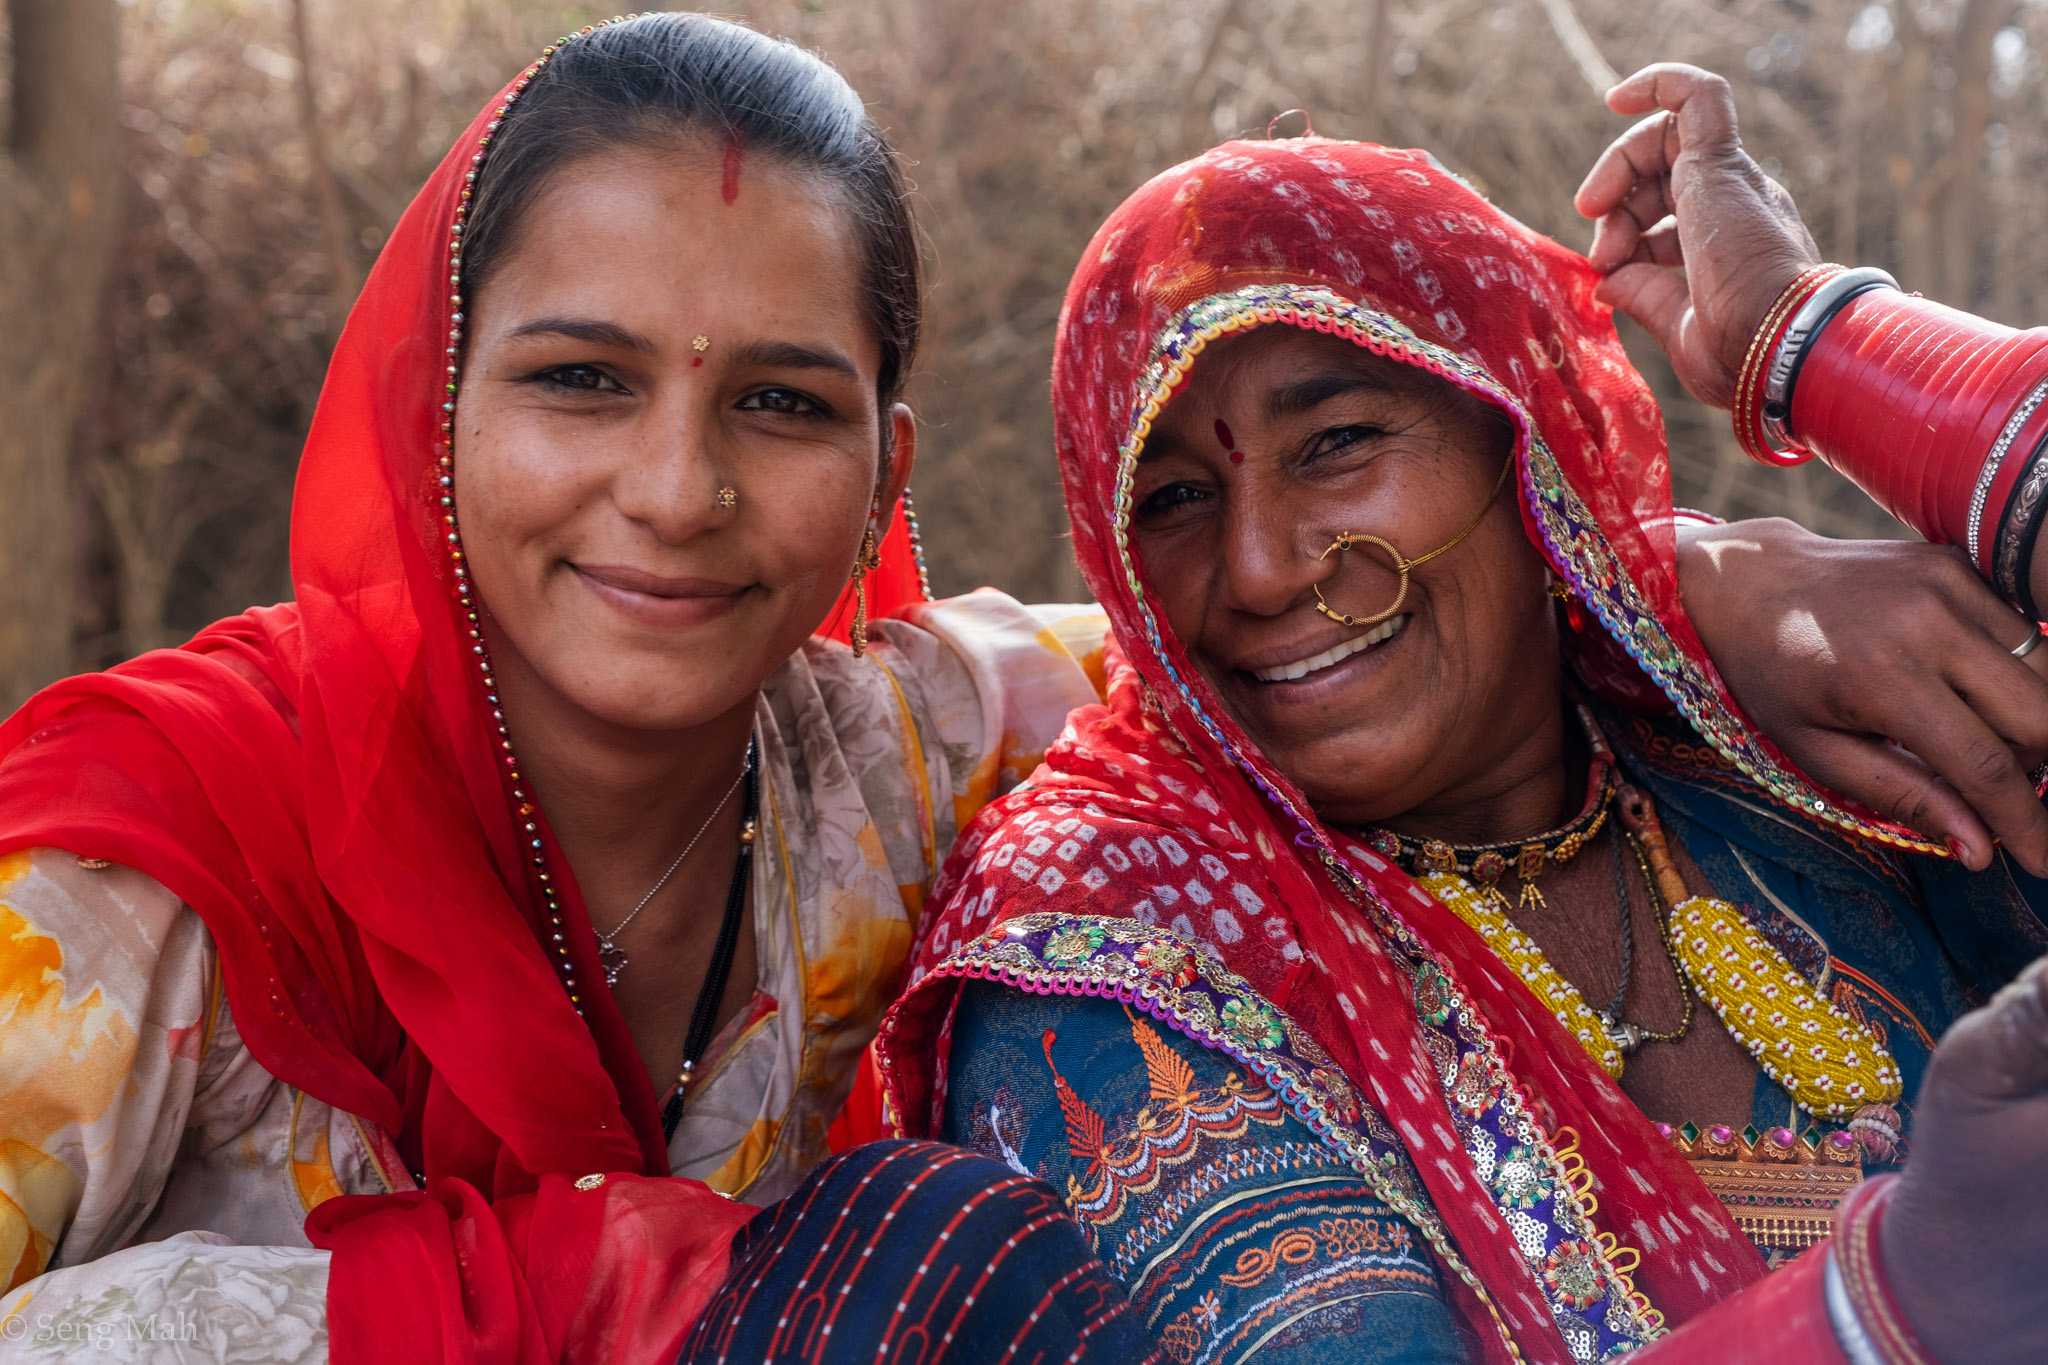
(1185, 987)
(1621, 610)
(523, 805)
(465, 595)
(1572, 540)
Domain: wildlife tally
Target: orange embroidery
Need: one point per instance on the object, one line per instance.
(1291, 1247)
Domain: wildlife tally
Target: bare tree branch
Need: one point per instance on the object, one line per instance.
(1580, 46)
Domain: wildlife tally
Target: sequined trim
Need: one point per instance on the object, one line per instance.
(1573, 539)
(1543, 1190)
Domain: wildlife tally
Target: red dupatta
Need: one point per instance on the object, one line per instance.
(320, 782)
(1157, 856)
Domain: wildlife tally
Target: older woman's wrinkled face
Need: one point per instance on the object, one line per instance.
(1281, 439)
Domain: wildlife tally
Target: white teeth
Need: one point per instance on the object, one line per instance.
(1334, 655)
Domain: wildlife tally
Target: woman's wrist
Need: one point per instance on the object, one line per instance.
(1940, 416)
(1867, 1319)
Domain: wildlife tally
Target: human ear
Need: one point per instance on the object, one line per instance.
(898, 457)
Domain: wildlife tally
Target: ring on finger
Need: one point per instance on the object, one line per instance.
(2028, 645)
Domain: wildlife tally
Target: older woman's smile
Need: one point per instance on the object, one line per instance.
(1334, 655)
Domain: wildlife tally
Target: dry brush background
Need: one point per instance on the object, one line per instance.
(192, 190)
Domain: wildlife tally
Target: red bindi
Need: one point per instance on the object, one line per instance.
(1237, 457)
(1223, 435)
(730, 188)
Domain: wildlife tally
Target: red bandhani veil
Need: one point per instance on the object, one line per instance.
(1155, 826)
(320, 782)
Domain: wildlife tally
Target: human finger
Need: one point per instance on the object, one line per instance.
(1959, 742)
(2010, 693)
(1983, 657)
(1662, 246)
(1614, 242)
(1900, 786)
(1652, 295)
(1951, 737)
(1640, 155)
(1702, 102)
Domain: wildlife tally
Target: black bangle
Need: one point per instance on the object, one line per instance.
(1780, 410)
(2019, 530)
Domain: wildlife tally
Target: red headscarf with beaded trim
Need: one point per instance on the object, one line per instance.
(1389, 250)
(320, 782)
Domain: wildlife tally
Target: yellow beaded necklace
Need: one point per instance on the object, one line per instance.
(1830, 1064)
(1520, 952)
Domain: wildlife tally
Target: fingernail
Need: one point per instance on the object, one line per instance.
(1957, 851)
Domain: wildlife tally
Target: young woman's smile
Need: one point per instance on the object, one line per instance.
(662, 478)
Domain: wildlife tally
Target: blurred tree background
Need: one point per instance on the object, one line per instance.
(191, 192)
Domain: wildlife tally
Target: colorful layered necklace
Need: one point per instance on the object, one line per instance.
(1825, 1060)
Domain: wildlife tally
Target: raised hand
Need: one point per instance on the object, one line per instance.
(1678, 192)
(1834, 646)
(1966, 1236)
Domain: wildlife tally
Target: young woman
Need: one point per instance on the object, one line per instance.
(373, 963)
(542, 794)
(1402, 964)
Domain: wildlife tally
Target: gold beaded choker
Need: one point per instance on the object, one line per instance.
(1486, 865)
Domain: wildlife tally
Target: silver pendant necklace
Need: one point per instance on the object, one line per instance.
(612, 957)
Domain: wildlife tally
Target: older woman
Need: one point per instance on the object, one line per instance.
(443, 965)
(1420, 957)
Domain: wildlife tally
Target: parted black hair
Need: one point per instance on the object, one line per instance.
(650, 79)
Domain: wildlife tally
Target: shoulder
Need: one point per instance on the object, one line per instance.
(1229, 1221)
(92, 926)
(108, 994)
(1007, 658)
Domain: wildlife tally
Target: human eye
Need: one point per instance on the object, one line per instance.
(787, 402)
(1167, 499)
(1336, 440)
(578, 378)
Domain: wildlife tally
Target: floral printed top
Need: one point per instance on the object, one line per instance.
(154, 1179)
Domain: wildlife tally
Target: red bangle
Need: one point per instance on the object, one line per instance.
(1859, 1256)
(1748, 410)
(1915, 402)
(1782, 1317)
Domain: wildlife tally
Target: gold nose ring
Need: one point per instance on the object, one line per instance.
(727, 497)
(1402, 564)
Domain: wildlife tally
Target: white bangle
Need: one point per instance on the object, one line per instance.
(1995, 460)
(1849, 1330)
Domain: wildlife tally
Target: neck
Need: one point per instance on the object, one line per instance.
(621, 801)
(1536, 786)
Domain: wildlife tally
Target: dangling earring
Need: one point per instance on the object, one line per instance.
(1573, 617)
(869, 558)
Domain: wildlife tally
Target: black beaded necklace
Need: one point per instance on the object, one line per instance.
(704, 1016)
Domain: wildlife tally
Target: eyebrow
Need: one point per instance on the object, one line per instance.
(791, 355)
(1305, 395)
(774, 355)
(1288, 400)
(591, 330)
